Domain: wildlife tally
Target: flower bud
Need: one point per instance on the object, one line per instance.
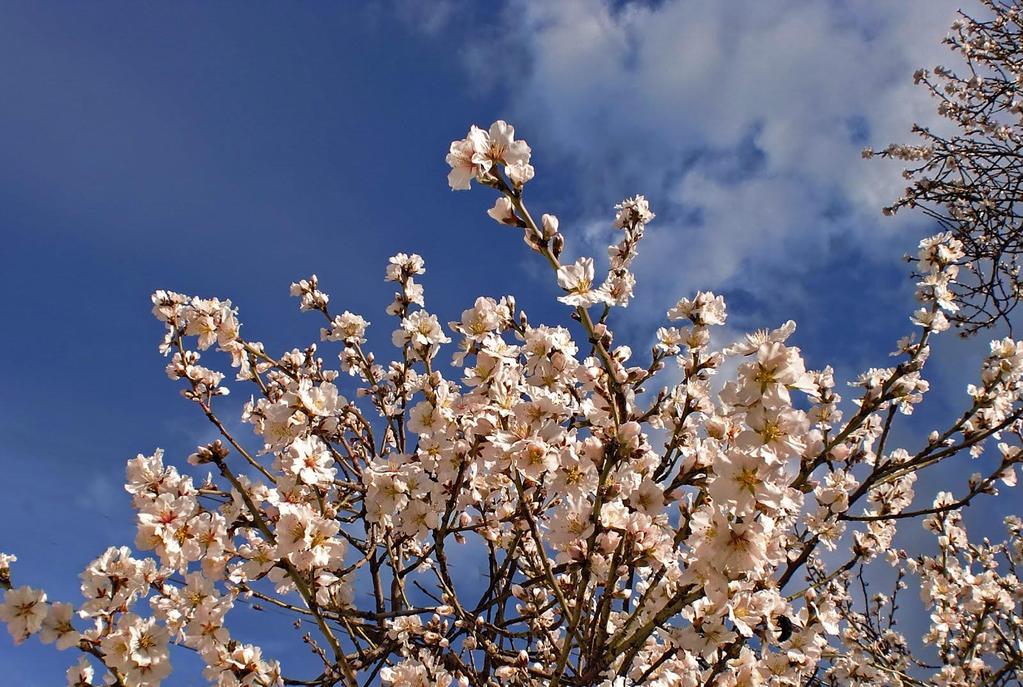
(550, 225)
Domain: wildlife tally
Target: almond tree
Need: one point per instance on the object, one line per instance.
(637, 526)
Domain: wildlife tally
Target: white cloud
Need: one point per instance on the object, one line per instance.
(746, 117)
(428, 16)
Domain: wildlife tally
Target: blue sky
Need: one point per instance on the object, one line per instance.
(229, 149)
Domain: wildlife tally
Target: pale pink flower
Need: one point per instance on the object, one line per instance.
(468, 159)
(24, 609)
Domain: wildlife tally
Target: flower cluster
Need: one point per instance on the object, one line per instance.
(478, 155)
